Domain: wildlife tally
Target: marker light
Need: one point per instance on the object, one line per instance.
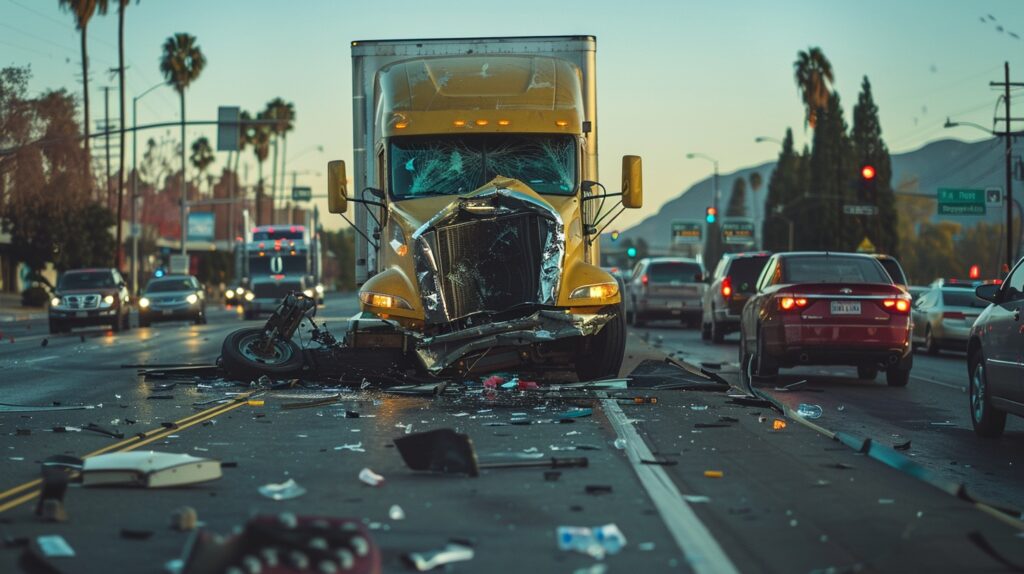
(383, 301)
(459, 123)
(561, 123)
(504, 122)
(788, 303)
(599, 291)
(481, 123)
(727, 287)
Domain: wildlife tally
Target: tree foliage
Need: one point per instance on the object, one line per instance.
(737, 199)
(813, 75)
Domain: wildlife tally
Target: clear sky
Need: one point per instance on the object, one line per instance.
(673, 76)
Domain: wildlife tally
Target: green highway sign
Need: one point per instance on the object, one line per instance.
(954, 201)
(687, 232)
(302, 193)
(738, 231)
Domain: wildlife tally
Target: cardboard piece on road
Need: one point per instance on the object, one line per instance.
(449, 452)
(147, 469)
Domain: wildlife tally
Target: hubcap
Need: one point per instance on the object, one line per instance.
(280, 353)
(978, 392)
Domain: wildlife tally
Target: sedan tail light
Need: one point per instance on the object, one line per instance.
(901, 306)
(953, 315)
(792, 303)
(727, 287)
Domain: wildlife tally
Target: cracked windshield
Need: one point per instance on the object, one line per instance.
(580, 287)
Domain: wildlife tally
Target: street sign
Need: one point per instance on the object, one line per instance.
(738, 231)
(954, 201)
(302, 193)
(228, 129)
(994, 196)
(860, 210)
(866, 246)
(201, 225)
(179, 264)
(687, 231)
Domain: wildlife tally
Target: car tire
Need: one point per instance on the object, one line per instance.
(200, 319)
(56, 328)
(929, 342)
(764, 366)
(705, 332)
(601, 355)
(897, 376)
(143, 323)
(988, 421)
(117, 324)
(867, 372)
(126, 323)
(717, 335)
(240, 362)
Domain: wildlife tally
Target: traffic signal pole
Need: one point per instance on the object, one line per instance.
(1007, 134)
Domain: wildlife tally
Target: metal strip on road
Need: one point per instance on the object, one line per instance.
(127, 445)
(700, 548)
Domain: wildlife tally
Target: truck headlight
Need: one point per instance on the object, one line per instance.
(107, 301)
(320, 289)
(55, 302)
(383, 301)
(598, 291)
(308, 293)
(249, 296)
(229, 294)
(397, 242)
(192, 298)
(239, 291)
(143, 303)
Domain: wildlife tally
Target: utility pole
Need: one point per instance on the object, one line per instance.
(106, 139)
(1006, 84)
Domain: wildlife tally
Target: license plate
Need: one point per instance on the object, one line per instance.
(675, 304)
(82, 314)
(167, 311)
(846, 307)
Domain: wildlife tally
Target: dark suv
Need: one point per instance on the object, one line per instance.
(732, 284)
(86, 297)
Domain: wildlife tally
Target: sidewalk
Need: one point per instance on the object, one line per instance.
(11, 309)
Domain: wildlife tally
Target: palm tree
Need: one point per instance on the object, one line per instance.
(260, 141)
(122, 4)
(814, 79)
(202, 156)
(181, 64)
(278, 109)
(84, 11)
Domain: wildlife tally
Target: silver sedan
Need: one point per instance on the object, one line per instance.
(943, 317)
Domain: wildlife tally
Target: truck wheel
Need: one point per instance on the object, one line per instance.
(606, 349)
(240, 359)
(55, 327)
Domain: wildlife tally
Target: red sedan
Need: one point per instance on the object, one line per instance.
(821, 308)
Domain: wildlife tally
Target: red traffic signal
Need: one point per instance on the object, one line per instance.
(867, 172)
(974, 272)
(710, 214)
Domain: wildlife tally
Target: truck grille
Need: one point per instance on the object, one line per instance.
(81, 301)
(274, 290)
(491, 264)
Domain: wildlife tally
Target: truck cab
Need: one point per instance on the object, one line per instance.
(278, 262)
(481, 207)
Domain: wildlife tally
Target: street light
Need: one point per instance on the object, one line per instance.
(714, 197)
(763, 139)
(135, 187)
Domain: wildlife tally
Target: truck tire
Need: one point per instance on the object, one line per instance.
(603, 356)
(241, 362)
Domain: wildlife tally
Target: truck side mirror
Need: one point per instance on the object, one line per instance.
(988, 292)
(632, 182)
(337, 193)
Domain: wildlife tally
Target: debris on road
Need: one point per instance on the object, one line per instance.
(449, 452)
(714, 474)
(595, 542)
(12, 408)
(184, 519)
(902, 446)
(136, 534)
(426, 561)
(597, 489)
(809, 411)
(396, 512)
(54, 546)
(286, 490)
(778, 424)
(146, 469)
(371, 478)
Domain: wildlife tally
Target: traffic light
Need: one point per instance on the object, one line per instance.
(631, 252)
(615, 235)
(710, 214)
(974, 272)
(867, 172)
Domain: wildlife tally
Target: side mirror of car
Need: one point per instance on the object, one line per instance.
(989, 292)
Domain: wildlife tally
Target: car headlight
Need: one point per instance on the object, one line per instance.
(249, 296)
(55, 302)
(192, 298)
(383, 301)
(108, 300)
(229, 294)
(308, 293)
(320, 289)
(597, 291)
(143, 303)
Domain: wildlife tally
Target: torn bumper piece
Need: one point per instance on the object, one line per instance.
(442, 351)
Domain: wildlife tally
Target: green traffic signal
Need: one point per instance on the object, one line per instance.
(631, 252)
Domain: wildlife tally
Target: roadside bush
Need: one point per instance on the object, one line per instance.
(34, 297)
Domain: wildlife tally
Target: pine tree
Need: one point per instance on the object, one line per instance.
(868, 148)
(738, 199)
(818, 218)
(784, 187)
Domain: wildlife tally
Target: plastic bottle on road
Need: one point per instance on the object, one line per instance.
(808, 411)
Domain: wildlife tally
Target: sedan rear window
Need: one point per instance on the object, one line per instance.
(743, 272)
(832, 269)
(961, 298)
(673, 271)
(894, 270)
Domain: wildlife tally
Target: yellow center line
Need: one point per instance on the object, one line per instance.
(127, 445)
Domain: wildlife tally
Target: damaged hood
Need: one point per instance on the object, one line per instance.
(458, 264)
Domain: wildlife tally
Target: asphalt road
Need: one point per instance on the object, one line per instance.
(788, 500)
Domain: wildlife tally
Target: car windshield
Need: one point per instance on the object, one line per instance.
(673, 272)
(272, 234)
(277, 264)
(892, 267)
(961, 298)
(422, 166)
(832, 269)
(743, 272)
(166, 285)
(86, 280)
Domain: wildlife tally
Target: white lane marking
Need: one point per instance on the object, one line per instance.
(960, 388)
(702, 552)
(40, 359)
